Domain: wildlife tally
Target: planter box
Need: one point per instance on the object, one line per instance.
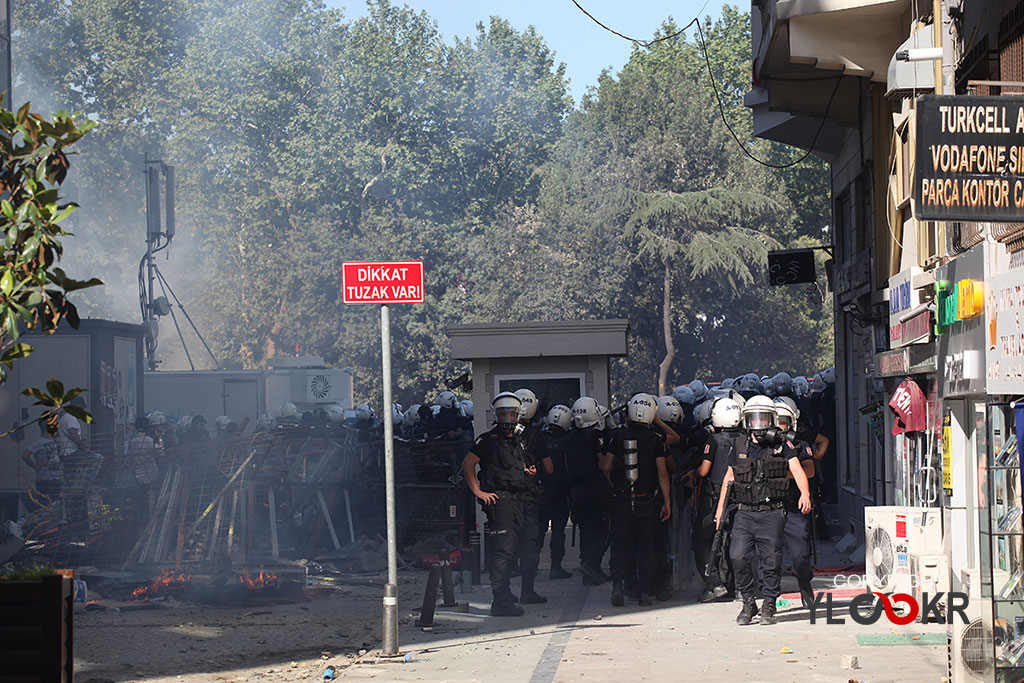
(36, 626)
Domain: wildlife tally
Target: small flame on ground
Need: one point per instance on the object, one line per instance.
(259, 581)
(165, 583)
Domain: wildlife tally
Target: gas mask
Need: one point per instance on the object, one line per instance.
(508, 421)
(773, 437)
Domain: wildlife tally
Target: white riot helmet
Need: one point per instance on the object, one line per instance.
(157, 418)
(507, 408)
(185, 421)
(411, 416)
(683, 394)
(786, 413)
(725, 414)
(560, 416)
(364, 411)
(782, 384)
(801, 387)
(669, 410)
(288, 410)
(529, 400)
(604, 418)
(699, 389)
(447, 399)
(642, 408)
(396, 413)
(727, 383)
(759, 414)
(435, 410)
(222, 422)
(817, 384)
(586, 412)
(467, 407)
(335, 413)
(829, 375)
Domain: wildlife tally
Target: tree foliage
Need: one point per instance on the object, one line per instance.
(34, 161)
(303, 139)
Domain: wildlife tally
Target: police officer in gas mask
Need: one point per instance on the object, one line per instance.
(797, 532)
(536, 460)
(727, 439)
(589, 492)
(503, 481)
(634, 464)
(554, 500)
(760, 485)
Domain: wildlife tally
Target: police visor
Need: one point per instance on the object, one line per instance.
(759, 419)
(506, 414)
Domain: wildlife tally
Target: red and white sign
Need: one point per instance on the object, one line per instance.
(382, 282)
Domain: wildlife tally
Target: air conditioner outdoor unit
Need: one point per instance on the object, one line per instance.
(929, 574)
(891, 534)
(971, 645)
(324, 385)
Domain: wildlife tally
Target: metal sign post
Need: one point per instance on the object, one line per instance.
(386, 282)
(390, 631)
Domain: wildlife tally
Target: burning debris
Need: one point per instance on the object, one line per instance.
(165, 584)
(260, 581)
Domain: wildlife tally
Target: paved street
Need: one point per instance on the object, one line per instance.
(578, 635)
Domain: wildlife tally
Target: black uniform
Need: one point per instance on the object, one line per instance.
(797, 532)
(529, 556)
(719, 450)
(554, 499)
(589, 493)
(502, 463)
(760, 489)
(636, 510)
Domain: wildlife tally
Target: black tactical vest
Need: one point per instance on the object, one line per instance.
(762, 480)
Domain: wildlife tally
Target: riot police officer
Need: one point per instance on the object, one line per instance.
(760, 487)
(589, 492)
(501, 454)
(727, 439)
(554, 500)
(634, 464)
(796, 535)
(537, 460)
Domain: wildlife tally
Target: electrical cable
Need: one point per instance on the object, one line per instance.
(637, 41)
(743, 147)
(714, 86)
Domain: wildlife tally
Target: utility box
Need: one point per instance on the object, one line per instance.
(241, 394)
(103, 357)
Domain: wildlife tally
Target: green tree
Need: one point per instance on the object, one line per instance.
(33, 288)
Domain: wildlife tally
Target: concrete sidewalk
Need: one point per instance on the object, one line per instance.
(578, 635)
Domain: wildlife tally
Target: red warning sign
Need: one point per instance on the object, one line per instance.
(382, 282)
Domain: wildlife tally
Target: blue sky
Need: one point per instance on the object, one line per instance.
(584, 46)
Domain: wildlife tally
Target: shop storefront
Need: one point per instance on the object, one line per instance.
(913, 467)
(961, 341)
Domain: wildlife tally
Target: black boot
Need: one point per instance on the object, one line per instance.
(530, 597)
(558, 573)
(590, 576)
(617, 598)
(748, 612)
(506, 609)
(644, 600)
(768, 612)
